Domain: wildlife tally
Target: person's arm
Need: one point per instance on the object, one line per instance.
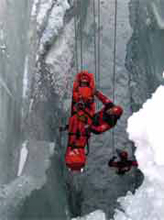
(104, 99)
(112, 162)
(134, 163)
(100, 129)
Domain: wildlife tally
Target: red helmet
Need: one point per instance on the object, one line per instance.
(117, 110)
(123, 154)
(84, 76)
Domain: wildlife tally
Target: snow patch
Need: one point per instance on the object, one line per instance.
(59, 59)
(5, 87)
(55, 20)
(52, 146)
(159, 20)
(22, 158)
(96, 215)
(45, 6)
(149, 135)
(34, 8)
(25, 77)
(30, 105)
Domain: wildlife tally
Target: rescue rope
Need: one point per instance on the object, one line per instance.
(98, 52)
(99, 43)
(76, 36)
(95, 49)
(114, 67)
(81, 34)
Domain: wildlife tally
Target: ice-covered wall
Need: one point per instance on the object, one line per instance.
(53, 61)
(38, 190)
(145, 53)
(145, 50)
(144, 128)
(138, 71)
(14, 17)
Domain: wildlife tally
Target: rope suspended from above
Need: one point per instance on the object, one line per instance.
(97, 40)
(95, 48)
(79, 56)
(114, 67)
(81, 33)
(99, 12)
(76, 36)
(78, 28)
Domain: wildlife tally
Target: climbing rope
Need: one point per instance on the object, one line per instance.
(95, 28)
(76, 37)
(81, 34)
(96, 48)
(114, 67)
(98, 52)
(96, 39)
(98, 43)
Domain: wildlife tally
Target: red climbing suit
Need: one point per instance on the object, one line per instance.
(83, 109)
(84, 94)
(103, 121)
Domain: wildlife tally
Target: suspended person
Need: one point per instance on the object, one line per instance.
(122, 164)
(82, 111)
(83, 96)
(83, 92)
(107, 117)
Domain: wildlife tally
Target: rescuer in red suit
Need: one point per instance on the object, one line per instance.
(107, 117)
(122, 165)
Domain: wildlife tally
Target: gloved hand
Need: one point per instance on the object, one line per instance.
(63, 128)
(87, 129)
(95, 91)
(110, 163)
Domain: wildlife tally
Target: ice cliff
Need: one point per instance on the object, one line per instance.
(37, 46)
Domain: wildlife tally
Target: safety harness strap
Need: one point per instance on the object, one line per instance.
(73, 146)
(77, 134)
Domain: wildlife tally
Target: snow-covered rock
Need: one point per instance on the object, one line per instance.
(145, 129)
(96, 215)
